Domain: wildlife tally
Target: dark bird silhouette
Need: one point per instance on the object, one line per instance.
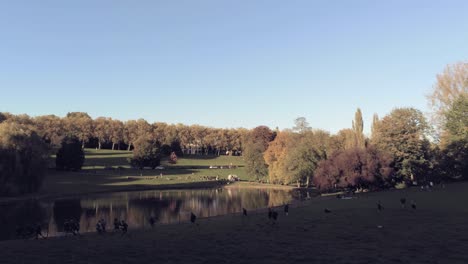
(270, 213)
(403, 202)
(379, 206)
(152, 221)
(244, 211)
(193, 217)
(327, 211)
(274, 215)
(413, 205)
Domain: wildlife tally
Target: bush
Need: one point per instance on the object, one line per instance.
(362, 168)
(70, 156)
(147, 153)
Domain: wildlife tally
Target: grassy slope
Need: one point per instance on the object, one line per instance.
(434, 233)
(189, 172)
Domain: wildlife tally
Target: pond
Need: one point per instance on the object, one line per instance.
(136, 208)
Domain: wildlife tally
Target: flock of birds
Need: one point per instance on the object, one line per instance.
(272, 216)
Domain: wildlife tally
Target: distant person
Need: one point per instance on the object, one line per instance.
(19, 231)
(403, 203)
(193, 217)
(124, 226)
(270, 213)
(274, 216)
(244, 211)
(99, 227)
(116, 224)
(76, 227)
(38, 231)
(413, 204)
(103, 225)
(66, 226)
(152, 221)
(286, 209)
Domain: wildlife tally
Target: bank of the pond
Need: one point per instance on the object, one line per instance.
(257, 185)
(178, 186)
(436, 232)
(131, 188)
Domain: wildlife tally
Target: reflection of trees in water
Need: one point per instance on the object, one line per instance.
(278, 197)
(66, 210)
(137, 207)
(26, 213)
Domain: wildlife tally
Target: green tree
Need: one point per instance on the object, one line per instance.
(454, 161)
(71, 155)
(358, 128)
(375, 124)
(403, 134)
(301, 163)
(301, 125)
(256, 143)
(456, 119)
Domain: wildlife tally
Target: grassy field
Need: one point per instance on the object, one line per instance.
(436, 232)
(107, 170)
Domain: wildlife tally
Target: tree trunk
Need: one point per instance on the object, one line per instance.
(82, 144)
(129, 146)
(113, 145)
(99, 144)
(298, 184)
(307, 181)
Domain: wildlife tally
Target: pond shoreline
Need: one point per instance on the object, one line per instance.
(354, 232)
(177, 186)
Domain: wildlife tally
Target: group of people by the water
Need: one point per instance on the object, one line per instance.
(119, 226)
(29, 231)
(71, 226)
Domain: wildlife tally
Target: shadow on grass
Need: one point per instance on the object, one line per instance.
(107, 153)
(60, 184)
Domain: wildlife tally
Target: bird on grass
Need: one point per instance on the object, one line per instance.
(327, 211)
(193, 217)
(244, 211)
(379, 206)
(274, 215)
(152, 221)
(403, 202)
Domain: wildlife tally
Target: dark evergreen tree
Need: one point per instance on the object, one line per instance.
(71, 155)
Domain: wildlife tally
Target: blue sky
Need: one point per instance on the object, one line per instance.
(226, 63)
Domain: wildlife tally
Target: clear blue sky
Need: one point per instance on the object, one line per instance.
(226, 63)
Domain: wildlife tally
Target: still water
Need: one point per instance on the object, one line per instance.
(168, 206)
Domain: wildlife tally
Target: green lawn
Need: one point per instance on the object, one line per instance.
(108, 170)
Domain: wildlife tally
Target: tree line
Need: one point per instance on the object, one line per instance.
(26, 144)
(105, 132)
(403, 148)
